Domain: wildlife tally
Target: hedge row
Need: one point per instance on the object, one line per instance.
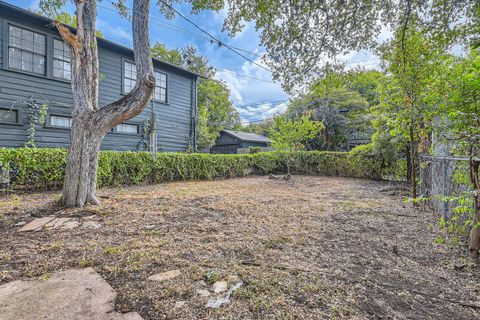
(44, 168)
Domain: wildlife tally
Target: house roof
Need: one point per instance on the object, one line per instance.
(10, 8)
(247, 136)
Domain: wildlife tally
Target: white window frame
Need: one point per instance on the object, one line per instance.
(26, 51)
(159, 86)
(15, 111)
(121, 128)
(64, 60)
(52, 116)
(130, 75)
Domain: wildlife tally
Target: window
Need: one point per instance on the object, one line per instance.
(160, 87)
(8, 116)
(26, 50)
(62, 66)
(127, 128)
(129, 76)
(60, 121)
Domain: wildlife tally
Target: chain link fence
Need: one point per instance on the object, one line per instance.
(437, 182)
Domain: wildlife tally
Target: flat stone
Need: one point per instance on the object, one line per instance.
(220, 286)
(56, 223)
(91, 225)
(36, 224)
(165, 275)
(73, 294)
(70, 225)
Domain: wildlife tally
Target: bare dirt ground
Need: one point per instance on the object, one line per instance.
(309, 248)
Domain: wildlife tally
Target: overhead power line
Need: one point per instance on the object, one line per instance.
(212, 39)
(171, 26)
(245, 76)
(260, 103)
(263, 111)
(219, 42)
(156, 21)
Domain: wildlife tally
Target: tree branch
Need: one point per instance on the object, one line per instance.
(68, 36)
(134, 102)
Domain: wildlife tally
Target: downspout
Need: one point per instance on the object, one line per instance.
(194, 115)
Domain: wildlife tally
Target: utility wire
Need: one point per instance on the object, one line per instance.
(219, 42)
(171, 26)
(178, 29)
(213, 39)
(260, 103)
(262, 111)
(245, 76)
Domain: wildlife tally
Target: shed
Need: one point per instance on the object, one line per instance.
(230, 141)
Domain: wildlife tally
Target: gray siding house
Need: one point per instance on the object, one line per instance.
(35, 70)
(232, 141)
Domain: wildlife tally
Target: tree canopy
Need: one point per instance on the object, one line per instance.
(300, 35)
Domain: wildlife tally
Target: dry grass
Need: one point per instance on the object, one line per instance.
(310, 248)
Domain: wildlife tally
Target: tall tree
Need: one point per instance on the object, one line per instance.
(339, 101)
(413, 60)
(90, 123)
(173, 56)
(459, 88)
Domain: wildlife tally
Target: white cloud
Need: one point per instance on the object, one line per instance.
(262, 111)
(252, 85)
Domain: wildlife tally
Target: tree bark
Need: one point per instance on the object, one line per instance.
(413, 164)
(89, 122)
(474, 245)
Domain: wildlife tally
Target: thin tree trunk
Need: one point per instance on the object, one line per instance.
(89, 122)
(413, 164)
(474, 245)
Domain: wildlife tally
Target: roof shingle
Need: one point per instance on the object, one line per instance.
(247, 136)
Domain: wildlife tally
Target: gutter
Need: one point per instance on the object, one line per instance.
(8, 8)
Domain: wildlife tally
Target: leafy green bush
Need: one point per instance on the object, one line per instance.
(43, 169)
(254, 149)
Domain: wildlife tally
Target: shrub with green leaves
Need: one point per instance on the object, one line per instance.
(43, 169)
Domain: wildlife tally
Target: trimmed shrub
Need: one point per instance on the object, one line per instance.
(43, 169)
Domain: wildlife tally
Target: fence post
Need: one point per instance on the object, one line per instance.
(4, 176)
(444, 187)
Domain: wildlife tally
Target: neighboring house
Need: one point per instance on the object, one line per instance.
(232, 141)
(35, 66)
(356, 137)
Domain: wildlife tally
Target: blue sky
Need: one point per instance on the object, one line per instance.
(244, 91)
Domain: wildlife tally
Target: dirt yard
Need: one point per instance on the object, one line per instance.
(309, 248)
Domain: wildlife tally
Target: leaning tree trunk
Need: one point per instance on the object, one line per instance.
(89, 122)
(474, 245)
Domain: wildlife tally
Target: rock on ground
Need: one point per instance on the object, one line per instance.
(165, 275)
(220, 286)
(72, 294)
(36, 224)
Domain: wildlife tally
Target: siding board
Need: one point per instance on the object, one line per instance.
(174, 118)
